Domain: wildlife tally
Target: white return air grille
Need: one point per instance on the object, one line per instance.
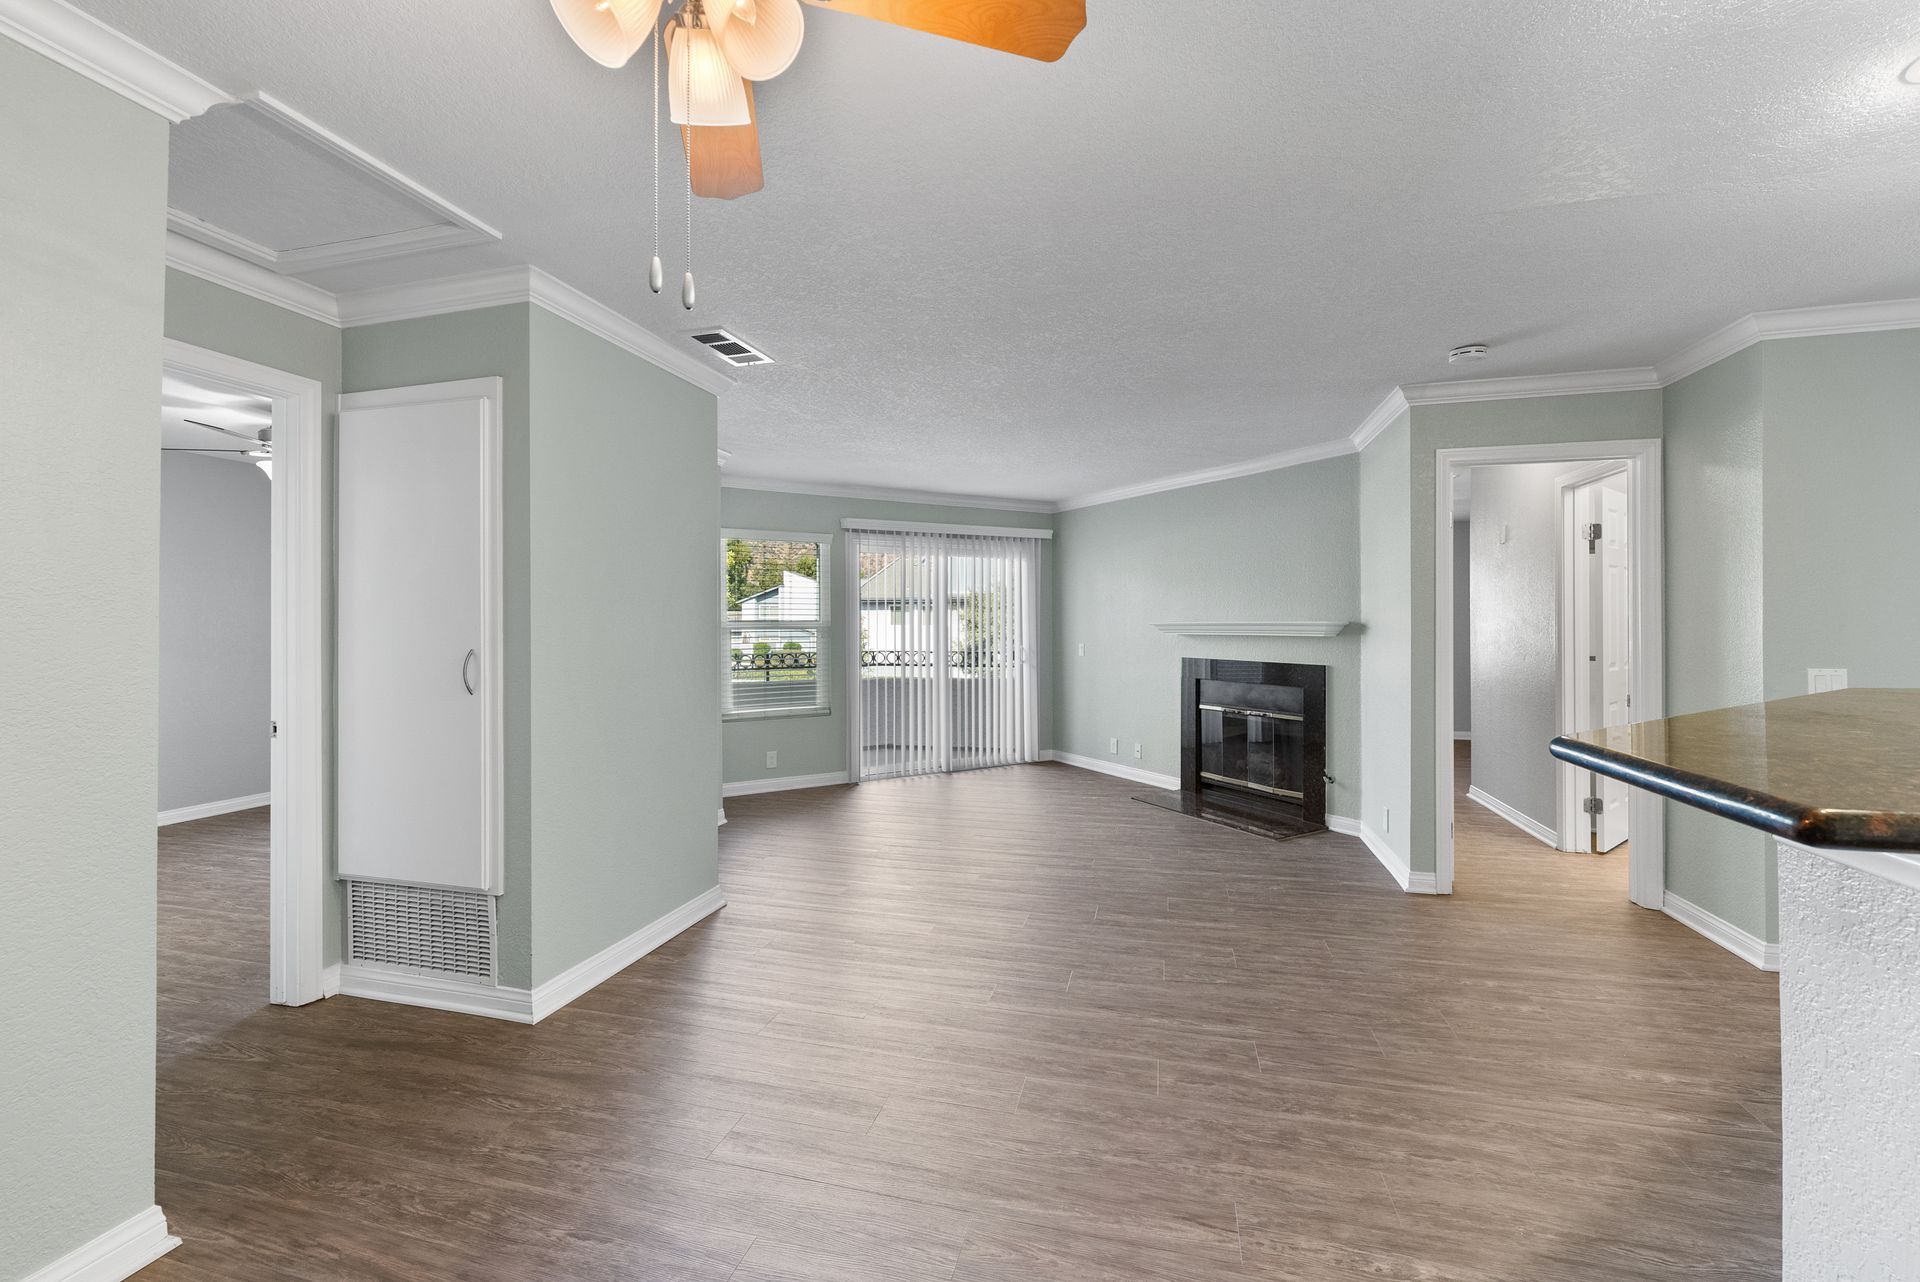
(730, 347)
(437, 932)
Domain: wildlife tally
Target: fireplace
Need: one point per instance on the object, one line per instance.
(1253, 746)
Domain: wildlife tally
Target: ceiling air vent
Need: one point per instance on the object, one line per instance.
(732, 350)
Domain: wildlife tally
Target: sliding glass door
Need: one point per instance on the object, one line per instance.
(947, 645)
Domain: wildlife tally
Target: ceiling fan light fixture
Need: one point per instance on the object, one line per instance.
(762, 37)
(608, 31)
(702, 86)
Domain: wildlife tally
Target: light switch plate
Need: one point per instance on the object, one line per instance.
(1821, 680)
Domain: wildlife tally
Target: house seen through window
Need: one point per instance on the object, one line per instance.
(775, 611)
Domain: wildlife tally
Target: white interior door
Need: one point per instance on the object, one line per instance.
(418, 636)
(1615, 584)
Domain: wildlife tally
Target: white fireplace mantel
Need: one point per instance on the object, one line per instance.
(1254, 629)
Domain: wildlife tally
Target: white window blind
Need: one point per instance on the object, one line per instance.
(947, 652)
(774, 624)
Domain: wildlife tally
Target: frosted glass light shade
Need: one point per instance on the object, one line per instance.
(608, 31)
(718, 95)
(762, 37)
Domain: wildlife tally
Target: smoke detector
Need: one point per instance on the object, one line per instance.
(1470, 352)
(730, 347)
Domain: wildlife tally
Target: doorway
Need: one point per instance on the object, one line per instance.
(288, 443)
(943, 649)
(1630, 470)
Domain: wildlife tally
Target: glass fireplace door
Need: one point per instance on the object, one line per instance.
(1253, 748)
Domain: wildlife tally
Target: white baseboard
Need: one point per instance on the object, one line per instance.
(208, 809)
(405, 988)
(115, 1255)
(1101, 765)
(520, 1005)
(1748, 947)
(1414, 883)
(723, 817)
(786, 783)
(1532, 827)
(330, 980)
(610, 961)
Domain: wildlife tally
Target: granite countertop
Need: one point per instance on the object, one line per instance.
(1838, 770)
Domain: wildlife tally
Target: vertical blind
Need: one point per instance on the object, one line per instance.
(947, 651)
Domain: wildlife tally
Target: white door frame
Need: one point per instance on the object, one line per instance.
(297, 863)
(1574, 824)
(1646, 858)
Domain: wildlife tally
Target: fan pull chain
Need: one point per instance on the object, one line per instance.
(686, 135)
(656, 274)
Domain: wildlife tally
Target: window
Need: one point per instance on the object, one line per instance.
(775, 593)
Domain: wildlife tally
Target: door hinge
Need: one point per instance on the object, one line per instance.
(1591, 533)
(1592, 805)
(273, 729)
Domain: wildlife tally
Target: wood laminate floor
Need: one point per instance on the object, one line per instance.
(1002, 1026)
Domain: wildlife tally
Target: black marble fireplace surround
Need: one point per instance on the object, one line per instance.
(1253, 746)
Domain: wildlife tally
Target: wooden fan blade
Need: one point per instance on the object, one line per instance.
(726, 158)
(1031, 28)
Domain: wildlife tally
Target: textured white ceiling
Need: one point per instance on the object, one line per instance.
(238, 169)
(1206, 235)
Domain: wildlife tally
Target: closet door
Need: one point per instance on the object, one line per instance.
(419, 654)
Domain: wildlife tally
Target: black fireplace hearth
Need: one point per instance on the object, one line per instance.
(1253, 746)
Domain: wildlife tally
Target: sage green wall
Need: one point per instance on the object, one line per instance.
(1714, 608)
(625, 603)
(493, 341)
(1386, 651)
(1279, 545)
(1604, 416)
(1514, 566)
(83, 195)
(817, 745)
(1842, 430)
(221, 320)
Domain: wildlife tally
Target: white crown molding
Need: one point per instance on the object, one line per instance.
(595, 317)
(1529, 386)
(1391, 407)
(1207, 476)
(82, 43)
(209, 264)
(512, 285)
(117, 1254)
(885, 495)
(1717, 346)
(1796, 322)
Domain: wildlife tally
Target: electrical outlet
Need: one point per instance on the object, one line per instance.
(1821, 680)
(1083, 649)
(773, 760)
(1136, 752)
(1113, 747)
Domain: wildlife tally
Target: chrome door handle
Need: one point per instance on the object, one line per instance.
(465, 665)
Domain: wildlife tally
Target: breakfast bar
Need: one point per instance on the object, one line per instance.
(1835, 779)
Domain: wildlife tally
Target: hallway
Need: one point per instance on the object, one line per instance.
(997, 1026)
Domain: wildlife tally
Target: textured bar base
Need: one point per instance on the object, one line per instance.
(1850, 1071)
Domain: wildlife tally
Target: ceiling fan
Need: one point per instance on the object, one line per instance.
(717, 49)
